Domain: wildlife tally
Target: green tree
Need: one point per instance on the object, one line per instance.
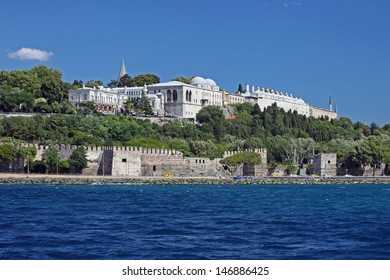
(145, 79)
(145, 105)
(128, 105)
(77, 84)
(15, 99)
(236, 161)
(124, 81)
(94, 83)
(203, 148)
(6, 153)
(183, 79)
(239, 90)
(51, 158)
(78, 160)
(211, 119)
(253, 143)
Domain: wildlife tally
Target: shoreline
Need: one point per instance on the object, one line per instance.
(32, 179)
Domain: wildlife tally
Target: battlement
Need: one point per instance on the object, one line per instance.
(260, 151)
(141, 150)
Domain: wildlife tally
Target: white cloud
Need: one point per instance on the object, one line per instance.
(285, 5)
(296, 3)
(31, 54)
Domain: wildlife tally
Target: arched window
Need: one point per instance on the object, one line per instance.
(169, 95)
(174, 95)
(190, 96)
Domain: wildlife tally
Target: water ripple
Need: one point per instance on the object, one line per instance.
(194, 222)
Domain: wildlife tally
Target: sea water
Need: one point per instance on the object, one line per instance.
(194, 222)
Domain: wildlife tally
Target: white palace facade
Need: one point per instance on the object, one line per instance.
(183, 100)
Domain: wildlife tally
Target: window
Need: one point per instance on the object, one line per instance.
(174, 95)
(124, 159)
(154, 168)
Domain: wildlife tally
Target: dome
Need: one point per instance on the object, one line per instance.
(198, 80)
(210, 82)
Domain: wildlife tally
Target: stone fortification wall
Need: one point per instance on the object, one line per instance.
(324, 165)
(252, 170)
(137, 161)
(64, 151)
(367, 171)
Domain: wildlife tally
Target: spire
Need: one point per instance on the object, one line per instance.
(330, 103)
(122, 71)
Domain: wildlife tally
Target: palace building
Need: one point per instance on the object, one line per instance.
(181, 100)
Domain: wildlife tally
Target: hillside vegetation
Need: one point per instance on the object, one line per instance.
(289, 138)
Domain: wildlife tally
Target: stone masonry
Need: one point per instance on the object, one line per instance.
(137, 161)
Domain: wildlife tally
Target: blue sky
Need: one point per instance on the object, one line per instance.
(309, 48)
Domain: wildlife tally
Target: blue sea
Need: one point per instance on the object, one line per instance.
(195, 222)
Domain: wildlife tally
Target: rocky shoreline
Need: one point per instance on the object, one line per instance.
(106, 180)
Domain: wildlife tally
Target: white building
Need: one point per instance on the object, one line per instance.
(265, 97)
(185, 100)
(110, 100)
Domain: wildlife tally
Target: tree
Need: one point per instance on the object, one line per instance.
(372, 151)
(40, 105)
(253, 143)
(93, 83)
(239, 90)
(15, 99)
(51, 158)
(78, 160)
(203, 148)
(183, 79)
(89, 107)
(6, 153)
(124, 81)
(238, 160)
(77, 84)
(145, 105)
(211, 119)
(145, 79)
(128, 105)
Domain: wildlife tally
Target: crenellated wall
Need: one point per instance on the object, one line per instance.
(252, 170)
(138, 161)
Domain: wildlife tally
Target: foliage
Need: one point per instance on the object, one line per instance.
(137, 81)
(19, 88)
(145, 79)
(93, 83)
(78, 160)
(235, 161)
(51, 159)
(12, 149)
(183, 79)
(15, 99)
(211, 120)
(203, 148)
(240, 88)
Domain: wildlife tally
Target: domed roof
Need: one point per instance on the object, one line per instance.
(198, 80)
(210, 82)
